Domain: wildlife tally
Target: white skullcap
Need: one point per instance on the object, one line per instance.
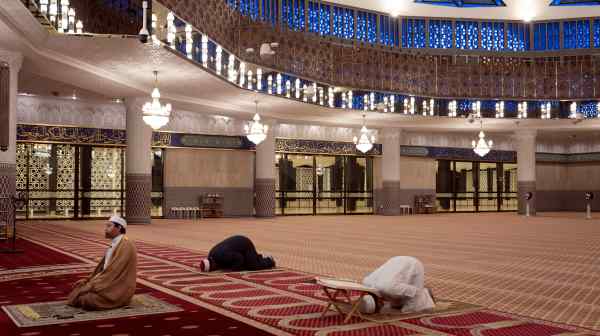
(367, 305)
(118, 220)
(205, 265)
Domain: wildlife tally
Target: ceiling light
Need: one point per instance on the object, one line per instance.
(155, 114)
(363, 142)
(256, 131)
(480, 146)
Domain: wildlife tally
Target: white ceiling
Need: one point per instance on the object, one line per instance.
(122, 67)
(514, 10)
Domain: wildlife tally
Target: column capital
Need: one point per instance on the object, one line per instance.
(14, 59)
(136, 102)
(525, 134)
(390, 133)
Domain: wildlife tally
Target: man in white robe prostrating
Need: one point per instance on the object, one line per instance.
(401, 282)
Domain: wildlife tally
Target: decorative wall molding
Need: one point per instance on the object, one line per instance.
(449, 153)
(60, 111)
(567, 158)
(117, 137)
(321, 147)
(318, 132)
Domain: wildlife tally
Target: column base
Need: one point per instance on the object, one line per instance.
(390, 198)
(524, 187)
(7, 189)
(264, 202)
(138, 201)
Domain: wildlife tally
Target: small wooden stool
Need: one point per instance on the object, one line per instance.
(335, 288)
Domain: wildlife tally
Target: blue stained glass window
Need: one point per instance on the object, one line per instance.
(388, 31)
(361, 26)
(583, 34)
(570, 34)
(461, 35)
(269, 11)
(589, 109)
(284, 12)
(553, 29)
(313, 17)
(576, 34)
(299, 16)
(472, 35)
(348, 23)
(372, 28)
(597, 33)
(358, 102)
(540, 36)
(419, 34)
(242, 6)
(246, 7)
(517, 36)
(254, 9)
(406, 34)
(413, 33)
(325, 20)
(231, 3)
(338, 22)
(492, 36)
(440, 34)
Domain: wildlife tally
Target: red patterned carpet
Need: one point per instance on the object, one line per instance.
(31, 256)
(193, 320)
(279, 302)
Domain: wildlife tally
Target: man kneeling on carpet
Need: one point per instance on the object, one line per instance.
(401, 282)
(236, 253)
(112, 284)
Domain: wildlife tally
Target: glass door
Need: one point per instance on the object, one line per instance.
(329, 185)
(296, 185)
(464, 186)
(359, 185)
(488, 187)
(323, 184)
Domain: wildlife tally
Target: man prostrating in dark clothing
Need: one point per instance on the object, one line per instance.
(235, 253)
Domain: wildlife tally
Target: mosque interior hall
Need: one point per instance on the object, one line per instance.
(300, 167)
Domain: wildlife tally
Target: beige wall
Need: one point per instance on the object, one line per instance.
(417, 173)
(551, 176)
(187, 167)
(377, 178)
(583, 176)
(568, 177)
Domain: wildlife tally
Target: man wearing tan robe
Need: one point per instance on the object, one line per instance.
(112, 284)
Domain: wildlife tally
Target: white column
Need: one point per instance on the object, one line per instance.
(526, 147)
(264, 184)
(11, 63)
(139, 164)
(390, 172)
(11, 60)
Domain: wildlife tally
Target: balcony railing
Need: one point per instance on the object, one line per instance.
(307, 69)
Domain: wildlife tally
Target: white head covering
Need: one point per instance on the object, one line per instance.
(367, 305)
(205, 265)
(402, 280)
(118, 220)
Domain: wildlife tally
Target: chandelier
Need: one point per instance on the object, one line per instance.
(363, 142)
(155, 114)
(482, 147)
(256, 131)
